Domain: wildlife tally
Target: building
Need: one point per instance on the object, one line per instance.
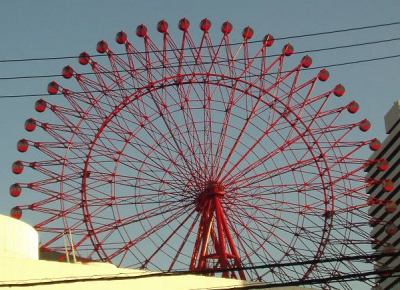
(383, 176)
(22, 269)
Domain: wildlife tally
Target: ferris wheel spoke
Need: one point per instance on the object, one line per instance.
(286, 169)
(272, 215)
(215, 131)
(184, 242)
(199, 65)
(111, 228)
(119, 67)
(149, 232)
(255, 144)
(208, 135)
(277, 237)
(41, 226)
(244, 126)
(161, 146)
(270, 207)
(343, 160)
(246, 230)
(190, 124)
(228, 104)
(239, 137)
(169, 237)
(243, 248)
(262, 161)
(231, 100)
(176, 163)
(252, 236)
(150, 176)
(184, 95)
(236, 216)
(176, 142)
(153, 165)
(165, 152)
(214, 66)
(171, 121)
(201, 101)
(156, 163)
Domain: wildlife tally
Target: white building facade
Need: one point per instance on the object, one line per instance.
(384, 198)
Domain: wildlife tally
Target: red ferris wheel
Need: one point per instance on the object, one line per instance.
(199, 155)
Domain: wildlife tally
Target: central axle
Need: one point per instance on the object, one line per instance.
(212, 190)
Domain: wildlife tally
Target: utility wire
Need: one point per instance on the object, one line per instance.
(340, 30)
(239, 59)
(124, 276)
(134, 88)
(236, 43)
(363, 276)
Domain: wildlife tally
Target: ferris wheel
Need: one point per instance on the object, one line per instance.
(199, 154)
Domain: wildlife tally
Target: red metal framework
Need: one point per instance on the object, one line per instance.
(199, 155)
(214, 234)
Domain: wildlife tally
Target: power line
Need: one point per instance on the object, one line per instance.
(368, 258)
(124, 276)
(236, 43)
(261, 285)
(134, 88)
(239, 59)
(340, 30)
(363, 276)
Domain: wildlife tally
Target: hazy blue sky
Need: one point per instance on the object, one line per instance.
(30, 29)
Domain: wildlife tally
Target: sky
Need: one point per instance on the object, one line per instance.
(36, 29)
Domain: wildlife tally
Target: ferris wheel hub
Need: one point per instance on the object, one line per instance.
(213, 189)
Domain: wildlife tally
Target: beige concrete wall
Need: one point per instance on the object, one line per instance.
(15, 271)
(18, 239)
(19, 266)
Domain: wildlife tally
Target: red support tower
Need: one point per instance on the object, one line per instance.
(215, 248)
